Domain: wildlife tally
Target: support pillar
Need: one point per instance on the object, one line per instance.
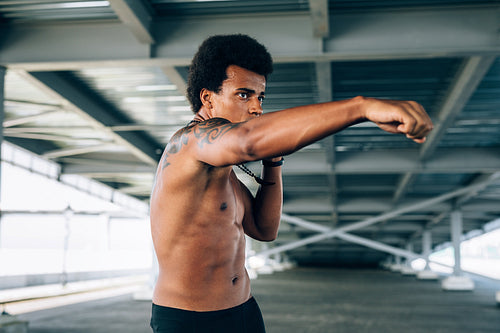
(457, 281)
(8, 323)
(3, 70)
(427, 273)
(396, 267)
(68, 216)
(407, 269)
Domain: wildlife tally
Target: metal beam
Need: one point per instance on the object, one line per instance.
(373, 220)
(101, 113)
(135, 15)
(379, 246)
(402, 186)
(400, 161)
(446, 160)
(460, 201)
(351, 238)
(28, 119)
(358, 36)
(106, 167)
(464, 85)
(77, 150)
(320, 18)
(173, 76)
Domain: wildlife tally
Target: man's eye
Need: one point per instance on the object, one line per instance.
(261, 98)
(243, 95)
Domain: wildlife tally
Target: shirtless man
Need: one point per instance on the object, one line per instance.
(200, 211)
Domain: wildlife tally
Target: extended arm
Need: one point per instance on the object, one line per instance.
(283, 132)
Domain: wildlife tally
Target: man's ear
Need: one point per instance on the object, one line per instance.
(206, 98)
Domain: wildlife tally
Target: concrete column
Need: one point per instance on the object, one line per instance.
(3, 70)
(68, 216)
(456, 234)
(427, 273)
(427, 246)
(407, 269)
(457, 281)
(396, 266)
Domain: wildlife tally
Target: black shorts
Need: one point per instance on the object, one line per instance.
(244, 318)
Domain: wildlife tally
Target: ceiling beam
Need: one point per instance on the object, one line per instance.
(358, 36)
(404, 182)
(320, 18)
(28, 119)
(449, 160)
(463, 86)
(175, 77)
(101, 113)
(452, 160)
(106, 168)
(77, 150)
(136, 16)
(465, 83)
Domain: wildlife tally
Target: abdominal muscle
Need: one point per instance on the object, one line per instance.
(204, 270)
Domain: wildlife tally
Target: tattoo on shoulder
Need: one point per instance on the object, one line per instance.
(175, 144)
(209, 131)
(205, 133)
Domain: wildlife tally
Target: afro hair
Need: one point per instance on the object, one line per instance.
(216, 53)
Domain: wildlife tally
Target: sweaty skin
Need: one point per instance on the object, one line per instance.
(200, 211)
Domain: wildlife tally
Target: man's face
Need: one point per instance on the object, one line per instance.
(241, 95)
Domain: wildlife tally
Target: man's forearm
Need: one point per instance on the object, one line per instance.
(283, 132)
(268, 202)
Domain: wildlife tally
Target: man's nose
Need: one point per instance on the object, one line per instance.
(256, 107)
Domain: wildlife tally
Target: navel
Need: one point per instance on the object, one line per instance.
(223, 206)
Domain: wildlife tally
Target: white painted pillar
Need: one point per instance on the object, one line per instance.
(68, 215)
(456, 235)
(396, 267)
(10, 323)
(407, 269)
(426, 246)
(3, 70)
(457, 281)
(427, 273)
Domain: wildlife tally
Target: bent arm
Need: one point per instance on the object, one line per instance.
(284, 132)
(263, 213)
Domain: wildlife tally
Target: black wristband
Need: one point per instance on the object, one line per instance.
(273, 164)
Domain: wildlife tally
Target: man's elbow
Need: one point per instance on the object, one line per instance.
(268, 237)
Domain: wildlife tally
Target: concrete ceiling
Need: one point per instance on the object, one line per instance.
(98, 87)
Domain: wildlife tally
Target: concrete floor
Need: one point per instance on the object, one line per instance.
(313, 300)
